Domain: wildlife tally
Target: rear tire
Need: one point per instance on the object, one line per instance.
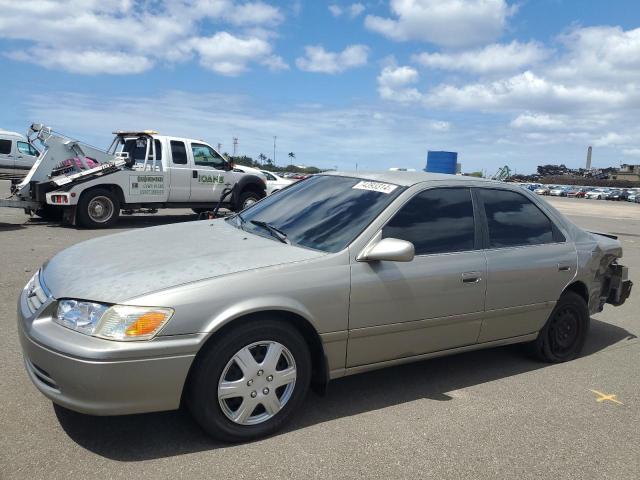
(563, 336)
(98, 208)
(216, 364)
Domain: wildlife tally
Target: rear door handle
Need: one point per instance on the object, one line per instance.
(564, 267)
(194, 174)
(471, 277)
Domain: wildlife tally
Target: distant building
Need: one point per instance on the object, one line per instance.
(627, 172)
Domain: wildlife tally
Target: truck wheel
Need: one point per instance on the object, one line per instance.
(563, 336)
(246, 199)
(249, 382)
(98, 208)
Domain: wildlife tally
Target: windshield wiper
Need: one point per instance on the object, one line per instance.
(275, 232)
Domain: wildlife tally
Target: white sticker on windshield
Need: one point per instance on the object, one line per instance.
(375, 186)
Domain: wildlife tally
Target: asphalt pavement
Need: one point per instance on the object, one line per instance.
(486, 414)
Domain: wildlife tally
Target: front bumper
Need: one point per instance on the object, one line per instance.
(102, 377)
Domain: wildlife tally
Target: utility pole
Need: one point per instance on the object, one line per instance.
(219, 147)
(274, 150)
(235, 146)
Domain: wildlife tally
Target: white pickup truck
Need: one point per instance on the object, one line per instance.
(139, 170)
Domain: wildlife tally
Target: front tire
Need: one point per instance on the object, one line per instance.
(246, 199)
(98, 208)
(249, 382)
(563, 336)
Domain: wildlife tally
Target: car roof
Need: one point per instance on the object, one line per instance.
(408, 179)
(7, 133)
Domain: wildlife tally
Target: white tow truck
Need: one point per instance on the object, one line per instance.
(141, 170)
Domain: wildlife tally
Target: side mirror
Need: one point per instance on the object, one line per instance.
(390, 250)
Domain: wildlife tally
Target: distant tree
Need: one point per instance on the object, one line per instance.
(243, 160)
(269, 162)
(292, 155)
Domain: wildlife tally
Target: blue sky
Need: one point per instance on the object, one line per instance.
(377, 83)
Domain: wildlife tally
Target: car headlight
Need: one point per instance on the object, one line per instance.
(116, 322)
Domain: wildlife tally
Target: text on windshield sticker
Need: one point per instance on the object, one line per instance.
(375, 186)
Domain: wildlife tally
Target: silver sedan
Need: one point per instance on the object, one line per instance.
(337, 274)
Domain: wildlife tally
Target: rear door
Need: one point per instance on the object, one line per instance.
(26, 155)
(179, 171)
(529, 263)
(7, 160)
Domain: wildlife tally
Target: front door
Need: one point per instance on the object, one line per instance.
(432, 303)
(209, 174)
(26, 156)
(529, 264)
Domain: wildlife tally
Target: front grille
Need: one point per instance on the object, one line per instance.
(37, 293)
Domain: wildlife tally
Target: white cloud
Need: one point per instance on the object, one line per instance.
(539, 121)
(228, 55)
(631, 152)
(450, 23)
(318, 60)
(395, 83)
(611, 138)
(123, 36)
(93, 62)
(597, 54)
(335, 10)
(526, 91)
(354, 10)
(490, 59)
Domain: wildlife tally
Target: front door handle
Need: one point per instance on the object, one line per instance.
(194, 174)
(471, 277)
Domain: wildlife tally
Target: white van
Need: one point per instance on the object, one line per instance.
(17, 155)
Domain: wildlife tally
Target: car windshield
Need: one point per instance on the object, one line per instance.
(322, 212)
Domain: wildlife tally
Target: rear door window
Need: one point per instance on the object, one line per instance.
(5, 147)
(178, 152)
(514, 220)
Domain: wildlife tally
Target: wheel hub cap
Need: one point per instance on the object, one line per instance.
(100, 209)
(257, 382)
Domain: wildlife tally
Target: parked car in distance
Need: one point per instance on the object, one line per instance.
(576, 192)
(275, 182)
(616, 195)
(17, 155)
(597, 194)
(541, 191)
(335, 275)
(558, 192)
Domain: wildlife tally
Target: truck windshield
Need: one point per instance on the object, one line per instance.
(323, 212)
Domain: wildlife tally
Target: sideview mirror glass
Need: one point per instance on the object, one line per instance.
(390, 250)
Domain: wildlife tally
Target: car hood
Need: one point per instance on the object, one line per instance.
(118, 267)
